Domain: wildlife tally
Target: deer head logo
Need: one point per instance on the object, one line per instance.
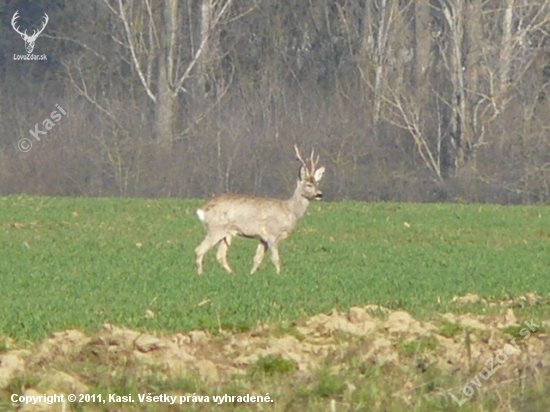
(29, 40)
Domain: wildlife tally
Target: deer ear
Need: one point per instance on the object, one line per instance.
(303, 173)
(319, 174)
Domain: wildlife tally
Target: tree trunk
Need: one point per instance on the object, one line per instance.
(454, 14)
(166, 96)
(380, 60)
(474, 33)
(423, 44)
(204, 59)
(506, 47)
(164, 115)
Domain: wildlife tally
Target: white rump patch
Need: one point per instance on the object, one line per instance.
(201, 215)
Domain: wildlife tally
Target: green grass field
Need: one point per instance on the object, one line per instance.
(79, 263)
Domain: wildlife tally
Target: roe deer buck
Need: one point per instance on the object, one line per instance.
(268, 220)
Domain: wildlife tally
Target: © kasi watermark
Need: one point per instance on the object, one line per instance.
(29, 40)
(25, 144)
(501, 357)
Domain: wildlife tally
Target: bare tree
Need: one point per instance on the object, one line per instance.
(157, 43)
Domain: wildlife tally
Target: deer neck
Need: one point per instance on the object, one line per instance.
(297, 203)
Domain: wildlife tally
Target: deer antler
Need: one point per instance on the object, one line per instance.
(299, 157)
(313, 162)
(44, 24)
(35, 33)
(13, 20)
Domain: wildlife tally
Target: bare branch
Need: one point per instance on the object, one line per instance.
(130, 39)
(202, 47)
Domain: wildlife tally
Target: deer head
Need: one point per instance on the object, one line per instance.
(29, 40)
(309, 176)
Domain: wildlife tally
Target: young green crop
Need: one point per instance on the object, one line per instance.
(83, 262)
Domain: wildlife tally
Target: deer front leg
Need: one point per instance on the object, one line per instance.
(259, 256)
(222, 253)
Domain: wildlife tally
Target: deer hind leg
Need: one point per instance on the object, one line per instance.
(208, 243)
(223, 246)
(274, 249)
(259, 256)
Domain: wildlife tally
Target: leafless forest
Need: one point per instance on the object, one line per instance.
(426, 100)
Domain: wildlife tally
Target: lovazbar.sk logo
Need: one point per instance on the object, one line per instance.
(29, 39)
